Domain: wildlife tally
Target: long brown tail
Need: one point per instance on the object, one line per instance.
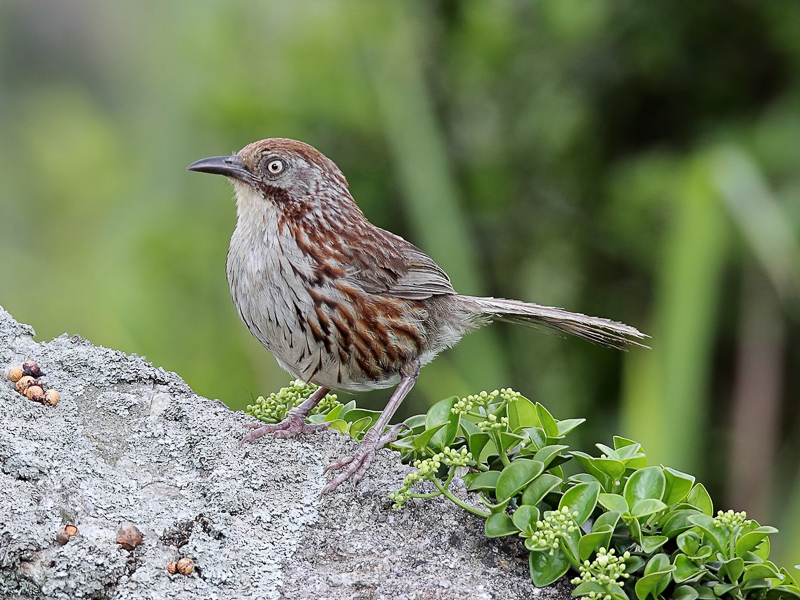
(594, 329)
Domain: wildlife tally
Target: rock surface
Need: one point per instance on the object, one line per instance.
(130, 442)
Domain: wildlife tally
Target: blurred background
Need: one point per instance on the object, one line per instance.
(637, 161)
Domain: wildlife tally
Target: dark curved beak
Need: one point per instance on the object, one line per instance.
(230, 166)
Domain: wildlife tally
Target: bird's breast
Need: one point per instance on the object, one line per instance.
(320, 326)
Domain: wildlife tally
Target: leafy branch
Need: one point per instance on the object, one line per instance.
(628, 530)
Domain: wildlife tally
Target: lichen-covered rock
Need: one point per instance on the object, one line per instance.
(131, 443)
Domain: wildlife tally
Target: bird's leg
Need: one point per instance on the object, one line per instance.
(357, 464)
(294, 423)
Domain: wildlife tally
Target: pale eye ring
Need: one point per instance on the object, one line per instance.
(275, 166)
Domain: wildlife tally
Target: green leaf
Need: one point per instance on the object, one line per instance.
(678, 522)
(712, 533)
(651, 543)
(613, 468)
(421, 440)
(525, 517)
(651, 586)
(468, 427)
(684, 592)
(581, 498)
(516, 476)
(587, 462)
(621, 442)
(586, 587)
(539, 488)
(581, 478)
(537, 436)
(476, 442)
(339, 425)
(415, 422)
(590, 542)
(547, 421)
(485, 482)
(607, 452)
(607, 519)
(689, 543)
(522, 413)
(723, 588)
(548, 453)
(699, 498)
(570, 544)
(567, 425)
(686, 569)
(634, 527)
(759, 571)
(546, 568)
(441, 413)
(751, 539)
(613, 502)
(706, 593)
(360, 426)
(509, 440)
(646, 507)
(645, 483)
(733, 569)
(489, 449)
(788, 578)
(356, 414)
(678, 486)
(499, 525)
(346, 409)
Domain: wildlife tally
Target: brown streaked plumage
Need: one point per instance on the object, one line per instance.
(342, 303)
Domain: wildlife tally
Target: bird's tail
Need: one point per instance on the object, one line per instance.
(594, 329)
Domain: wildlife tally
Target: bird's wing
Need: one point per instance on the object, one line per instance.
(396, 267)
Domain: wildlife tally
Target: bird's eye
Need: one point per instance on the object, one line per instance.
(275, 166)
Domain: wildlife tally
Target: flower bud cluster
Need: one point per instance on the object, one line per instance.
(427, 469)
(275, 407)
(730, 519)
(606, 569)
(555, 526)
(492, 422)
(465, 405)
(510, 395)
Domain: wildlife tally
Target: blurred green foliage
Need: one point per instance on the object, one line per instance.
(638, 161)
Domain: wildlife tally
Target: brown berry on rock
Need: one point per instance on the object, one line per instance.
(129, 536)
(35, 393)
(185, 566)
(30, 367)
(15, 373)
(51, 397)
(24, 383)
(65, 533)
(172, 568)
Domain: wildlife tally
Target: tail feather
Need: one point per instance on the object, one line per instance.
(594, 329)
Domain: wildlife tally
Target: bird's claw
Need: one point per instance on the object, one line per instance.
(358, 463)
(291, 426)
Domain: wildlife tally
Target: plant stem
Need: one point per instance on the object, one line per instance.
(449, 495)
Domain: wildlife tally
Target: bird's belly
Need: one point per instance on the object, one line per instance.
(316, 334)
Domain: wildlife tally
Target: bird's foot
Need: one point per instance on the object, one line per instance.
(356, 465)
(291, 426)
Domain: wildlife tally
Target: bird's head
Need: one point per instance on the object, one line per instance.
(292, 175)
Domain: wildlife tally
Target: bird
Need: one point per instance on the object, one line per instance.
(342, 303)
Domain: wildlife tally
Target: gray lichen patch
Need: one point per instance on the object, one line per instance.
(130, 442)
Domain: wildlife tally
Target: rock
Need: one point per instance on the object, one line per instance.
(130, 442)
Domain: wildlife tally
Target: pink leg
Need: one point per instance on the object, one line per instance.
(293, 424)
(357, 464)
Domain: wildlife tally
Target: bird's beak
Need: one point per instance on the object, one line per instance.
(230, 166)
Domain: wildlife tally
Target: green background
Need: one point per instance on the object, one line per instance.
(633, 160)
